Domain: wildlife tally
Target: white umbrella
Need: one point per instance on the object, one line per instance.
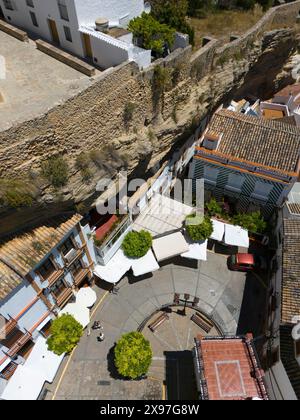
(86, 297)
(79, 312)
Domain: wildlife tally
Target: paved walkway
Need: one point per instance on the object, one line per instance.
(90, 373)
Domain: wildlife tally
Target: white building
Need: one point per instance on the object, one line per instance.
(72, 25)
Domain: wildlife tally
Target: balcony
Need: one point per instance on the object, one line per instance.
(8, 327)
(63, 296)
(72, 256)
(110, 240)
(80, 275)
(19, 344)
(54, 276)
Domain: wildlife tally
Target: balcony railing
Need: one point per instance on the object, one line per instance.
(78, 277)
(115, 235)
(8, 327)
(54, 276)
(72, 256)
(64, 296)
(19, 344)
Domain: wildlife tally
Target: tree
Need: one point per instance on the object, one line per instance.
(173, 13)
(151, 34)
(133, 355)
(137, 244)
(213, 207)
(253, 222)
(65, 333)
(198, 231)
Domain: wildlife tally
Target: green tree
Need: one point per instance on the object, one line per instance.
(56, 170)
(137, 244)
(213, 207)
(198, 230)
(65, 334)
(151, 34)
(133, 355)
(253, 222)
(173, 13)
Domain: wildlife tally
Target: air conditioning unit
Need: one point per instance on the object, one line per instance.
(70, 255)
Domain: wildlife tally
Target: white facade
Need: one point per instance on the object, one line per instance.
(71, 24)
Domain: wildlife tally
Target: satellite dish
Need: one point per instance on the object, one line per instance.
(296, 332)
(147, 7)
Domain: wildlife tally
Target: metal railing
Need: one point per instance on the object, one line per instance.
(115, 235)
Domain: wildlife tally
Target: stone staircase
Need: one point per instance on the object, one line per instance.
(288, 358)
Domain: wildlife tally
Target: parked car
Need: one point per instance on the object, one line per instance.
(246, 262)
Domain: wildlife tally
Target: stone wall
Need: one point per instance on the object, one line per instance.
(94, 119)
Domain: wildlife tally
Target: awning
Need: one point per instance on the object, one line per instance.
(28, 380)
(144, 265)
(86, 297)
(44, 360)
(115, 269)
(79, 312)
(236, 236)
(219, 230)
(26, 384)
(170, 246)
(197, 251)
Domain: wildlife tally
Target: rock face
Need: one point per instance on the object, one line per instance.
(94, 123)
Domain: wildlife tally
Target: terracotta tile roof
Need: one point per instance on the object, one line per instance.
(24, 251)
(288, 120)
(289, 90)
(253, 139)
(290, 295)
(228, 367)
(294, 208)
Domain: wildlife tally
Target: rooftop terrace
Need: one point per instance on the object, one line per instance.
(34, 82)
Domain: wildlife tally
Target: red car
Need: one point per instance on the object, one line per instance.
(246, 262)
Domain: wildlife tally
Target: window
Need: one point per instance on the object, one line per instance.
(68, 33)
(76, 267)
(297, 348)
(30, 3)
(235, 183)
(8, 4)
(261, 191)
(67, 246)
(46, 269)
(63, 11)
(211, 175)
(33, 18)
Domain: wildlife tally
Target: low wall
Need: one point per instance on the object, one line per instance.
(65, 58)
(13, 31)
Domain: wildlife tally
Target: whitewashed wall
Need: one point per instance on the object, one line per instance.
(114, 10)
(44, 10)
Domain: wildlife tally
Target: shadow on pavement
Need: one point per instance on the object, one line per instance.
(180, 381)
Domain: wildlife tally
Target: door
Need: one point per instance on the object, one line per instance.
(87, 46)
(53, 30)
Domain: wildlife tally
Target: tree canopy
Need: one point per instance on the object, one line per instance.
(173, 13)
(65, 333)
(253, 222)
(133, 355)
(198, 231)
(152, 34)
(137, 244)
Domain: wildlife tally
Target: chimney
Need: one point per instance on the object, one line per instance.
(211, 140)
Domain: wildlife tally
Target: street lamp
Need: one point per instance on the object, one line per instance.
(185, 300)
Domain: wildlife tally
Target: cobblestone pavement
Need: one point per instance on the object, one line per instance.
(90, 373)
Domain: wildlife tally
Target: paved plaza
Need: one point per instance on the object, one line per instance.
(90, 374)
